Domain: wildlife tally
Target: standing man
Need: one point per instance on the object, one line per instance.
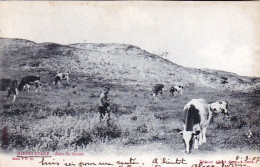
(104, 103)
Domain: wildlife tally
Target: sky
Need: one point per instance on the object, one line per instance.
(215, 35)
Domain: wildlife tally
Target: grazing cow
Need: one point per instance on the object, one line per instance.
(61, 76)
(176, 89)
(158, 88)
(30, 80)
(9, 85)
(219, 107)
(196, 117)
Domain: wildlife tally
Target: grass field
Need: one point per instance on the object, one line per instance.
(65, 117)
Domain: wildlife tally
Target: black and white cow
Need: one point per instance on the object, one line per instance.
(196, 117)
(9, 85)
(176, 89)
(219, 107)
(27, 81)
(61, 76)
(158, 88)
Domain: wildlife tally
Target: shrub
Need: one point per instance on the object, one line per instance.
(252, 118)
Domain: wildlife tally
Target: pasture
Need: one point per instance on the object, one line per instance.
(65, 117)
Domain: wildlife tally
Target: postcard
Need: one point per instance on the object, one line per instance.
(129, 84)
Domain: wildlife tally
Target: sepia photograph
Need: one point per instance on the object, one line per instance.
(130, 84)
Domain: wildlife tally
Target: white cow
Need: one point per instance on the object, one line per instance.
(196, 117)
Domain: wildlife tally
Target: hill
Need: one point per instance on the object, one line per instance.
(117, 64)
(65, 117)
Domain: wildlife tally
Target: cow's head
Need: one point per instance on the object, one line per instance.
(220, 107)
(180, 87)
(38, 84)
(188, 137)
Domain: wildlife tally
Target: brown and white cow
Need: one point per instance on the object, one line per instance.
(196, 118)
(9, 85)
(27, 81)
(176, 89)
(158, 88)
(61, 76)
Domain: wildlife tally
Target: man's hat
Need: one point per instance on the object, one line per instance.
(106, 88)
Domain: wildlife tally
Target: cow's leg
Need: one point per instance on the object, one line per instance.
(154, 94)
(68, 81)
(15, 92)
(37, 86)
(196, 143)
(200, 139)
(197, 135)
(9, 93)
(28, 87)
(14, 98)
(210, 117)
(40, 87)
(204, 135)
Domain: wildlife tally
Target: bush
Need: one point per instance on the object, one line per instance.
(252, 118)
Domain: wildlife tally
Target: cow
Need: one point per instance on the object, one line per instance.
(158, 88)
(219, 107)
(61, 76)
(196, 117)
(27, 81)
(9, 85)
(176, 89)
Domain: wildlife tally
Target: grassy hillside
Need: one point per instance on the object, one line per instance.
(65, 117)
